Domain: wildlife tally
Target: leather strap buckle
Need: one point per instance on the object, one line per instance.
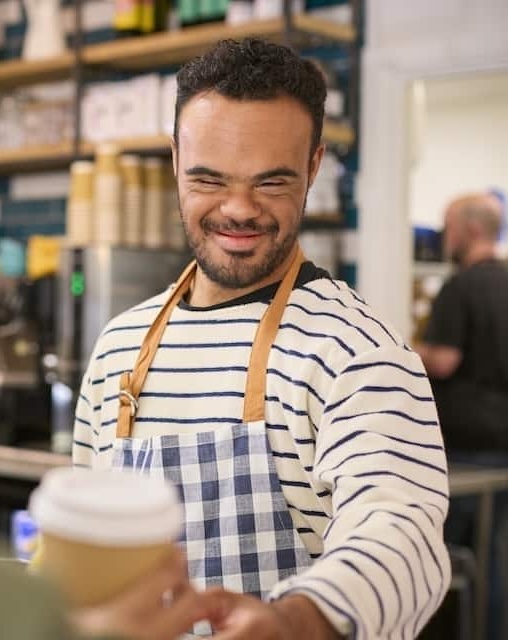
(132, 401)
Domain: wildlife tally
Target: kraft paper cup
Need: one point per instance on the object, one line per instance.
(101, 531)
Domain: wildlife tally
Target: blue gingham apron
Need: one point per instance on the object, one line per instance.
(238, 530)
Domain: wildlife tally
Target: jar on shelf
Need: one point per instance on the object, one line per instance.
(107, 195)
(131, 170)
(80, 204)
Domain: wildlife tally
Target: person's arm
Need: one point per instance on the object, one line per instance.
(440, 361)
(87, 419)
(385, 568)
(236, 616)
(441, 348)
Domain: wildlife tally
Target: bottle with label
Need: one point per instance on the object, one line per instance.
(213, 10)
(154, 15)
(189, 12)
(127, 17)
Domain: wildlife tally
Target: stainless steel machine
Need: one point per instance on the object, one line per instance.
(95, 284)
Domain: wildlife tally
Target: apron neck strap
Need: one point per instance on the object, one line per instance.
(254, 401)
(132, 383)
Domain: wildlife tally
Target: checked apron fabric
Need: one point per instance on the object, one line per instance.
(238, 530)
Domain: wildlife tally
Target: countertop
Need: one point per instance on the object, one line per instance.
(29, 464)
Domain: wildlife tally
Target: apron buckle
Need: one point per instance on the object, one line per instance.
(132, 400)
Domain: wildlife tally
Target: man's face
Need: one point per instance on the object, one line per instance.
(243, 172)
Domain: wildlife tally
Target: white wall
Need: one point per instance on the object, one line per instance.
(408, 40)
(465, 144)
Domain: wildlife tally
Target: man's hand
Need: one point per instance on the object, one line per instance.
(236, 616)
(142, 612)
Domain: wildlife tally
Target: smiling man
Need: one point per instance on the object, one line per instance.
(299, 428)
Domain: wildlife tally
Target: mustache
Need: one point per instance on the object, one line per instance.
(232, 226)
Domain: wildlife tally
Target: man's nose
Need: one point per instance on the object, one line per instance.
(240, 205)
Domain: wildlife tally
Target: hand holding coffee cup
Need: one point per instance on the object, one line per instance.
(102, 531)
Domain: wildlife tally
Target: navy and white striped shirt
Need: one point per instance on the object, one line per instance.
(351, 422)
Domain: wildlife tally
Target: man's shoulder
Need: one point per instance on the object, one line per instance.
(334, 304)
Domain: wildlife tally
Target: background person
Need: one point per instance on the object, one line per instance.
(465, 352)
(299, 427)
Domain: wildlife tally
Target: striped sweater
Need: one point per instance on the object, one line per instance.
(351, 422)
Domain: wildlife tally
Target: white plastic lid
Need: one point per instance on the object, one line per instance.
(106, 507)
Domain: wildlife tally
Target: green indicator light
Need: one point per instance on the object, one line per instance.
(77, 283)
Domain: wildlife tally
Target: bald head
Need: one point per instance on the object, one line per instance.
(472, 226)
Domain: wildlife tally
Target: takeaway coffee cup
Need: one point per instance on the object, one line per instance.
(102, 530)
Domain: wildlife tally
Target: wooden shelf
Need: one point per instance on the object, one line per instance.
(167, 48)
(60, 155)
(16, 73)
(174, 47)
(44, 156)
(147, 144)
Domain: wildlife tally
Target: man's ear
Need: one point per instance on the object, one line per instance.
(315, 162)
(174, 154)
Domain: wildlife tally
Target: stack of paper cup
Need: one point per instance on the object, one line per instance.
(80, 205)
(154, 234)
(102, 530)
(131, 171)
(107, 196)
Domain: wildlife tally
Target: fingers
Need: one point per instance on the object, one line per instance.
(148, 592)
(172, 622)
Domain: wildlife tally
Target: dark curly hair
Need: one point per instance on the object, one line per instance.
(254, 69)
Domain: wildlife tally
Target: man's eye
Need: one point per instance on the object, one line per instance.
(272, 183)
(208, 183)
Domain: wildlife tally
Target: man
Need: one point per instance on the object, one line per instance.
(466, 356)
(300, 429)
(466, 343)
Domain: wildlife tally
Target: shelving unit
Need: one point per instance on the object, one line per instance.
(155, 51)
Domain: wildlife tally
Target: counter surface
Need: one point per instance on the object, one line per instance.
(29, 464)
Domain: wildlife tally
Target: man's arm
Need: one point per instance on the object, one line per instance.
(440, 361)
(440, 349)
(384, 568)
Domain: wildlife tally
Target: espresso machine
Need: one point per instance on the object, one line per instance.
(94, 285)
(27, 310)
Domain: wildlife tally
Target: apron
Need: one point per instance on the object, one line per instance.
(238, 533)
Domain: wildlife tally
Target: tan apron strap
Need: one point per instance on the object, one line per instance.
(132, 383)
(254, 400)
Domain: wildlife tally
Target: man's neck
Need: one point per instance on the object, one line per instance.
(479, 253)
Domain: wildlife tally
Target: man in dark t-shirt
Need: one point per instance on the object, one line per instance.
(465, 352)
(466, 342)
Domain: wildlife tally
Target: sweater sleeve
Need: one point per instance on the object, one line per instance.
(384, 569)
(87, 420)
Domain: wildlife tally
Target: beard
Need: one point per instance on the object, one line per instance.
(238, 271)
